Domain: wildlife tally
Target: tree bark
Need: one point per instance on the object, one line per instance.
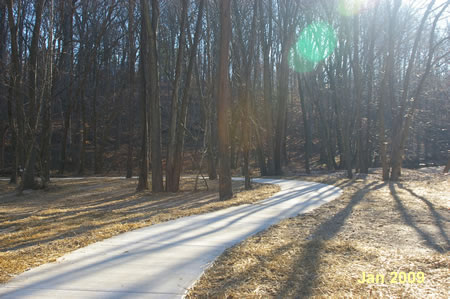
(287, 30)
(384, 92)
(15, 101)
(211, 125)
(3, 132)
(358, 90)
(182, 117)
(151, 88)
(28, 181)
(172, 182)
(306, 128)
(131, 66)
(402, 121)
(65, 70)
(268, 106)
(367, 150)
(447, 167)
(223, 107)
(245, 86)
(47, 121)
(144, 68)
(156, 155)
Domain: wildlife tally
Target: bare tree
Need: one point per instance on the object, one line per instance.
(223, 100)
(131, 74)
(144, 68)
(182, 123)
(287, 30)
(71, 89)
(172, 182)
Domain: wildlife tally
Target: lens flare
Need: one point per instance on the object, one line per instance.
(316, 42)
(350, 8)
(299, 64)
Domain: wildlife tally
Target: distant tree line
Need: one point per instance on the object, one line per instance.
(115, 85)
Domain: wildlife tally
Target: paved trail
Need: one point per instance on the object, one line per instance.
(163, 260)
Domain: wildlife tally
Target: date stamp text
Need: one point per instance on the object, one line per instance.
(392, 278)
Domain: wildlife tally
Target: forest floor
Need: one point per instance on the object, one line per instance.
(40, 226)
(375, 227)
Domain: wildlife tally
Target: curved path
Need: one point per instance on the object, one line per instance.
(164, 260)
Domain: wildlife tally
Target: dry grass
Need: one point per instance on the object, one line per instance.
(40, 226)
(374, 227)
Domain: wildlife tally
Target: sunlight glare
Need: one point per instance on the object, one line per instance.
(350, 8)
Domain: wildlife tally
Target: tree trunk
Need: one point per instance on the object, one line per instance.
(65, 70)
(268, 107)
(156, 155)
(83, 135)
(28, 181)
(172, 182)
(151, 88)
(3, 133)
(145, 57)
(404, 117)
(211, 84)
(384, 92)
(12, 95)
(447, 167)
(182, 116)
(370, 70)
(287, 29)
(3, 80)
(306, 128)
(247, 56)
(282, 105)
(47, 121)
(131, 66)
(16, 118)
(223, 107)
(358, 89)
(382, 137)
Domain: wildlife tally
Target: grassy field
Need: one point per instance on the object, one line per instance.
(40, 226)
(375, 227)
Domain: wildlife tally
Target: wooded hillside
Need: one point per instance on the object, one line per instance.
(138, 87)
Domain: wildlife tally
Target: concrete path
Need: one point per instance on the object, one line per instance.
(163, 260)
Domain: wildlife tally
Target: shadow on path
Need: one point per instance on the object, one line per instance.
(151, 245)
(310, 259)
(409, 219)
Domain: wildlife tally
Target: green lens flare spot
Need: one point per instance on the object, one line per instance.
(316, 42)
(299, 64)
